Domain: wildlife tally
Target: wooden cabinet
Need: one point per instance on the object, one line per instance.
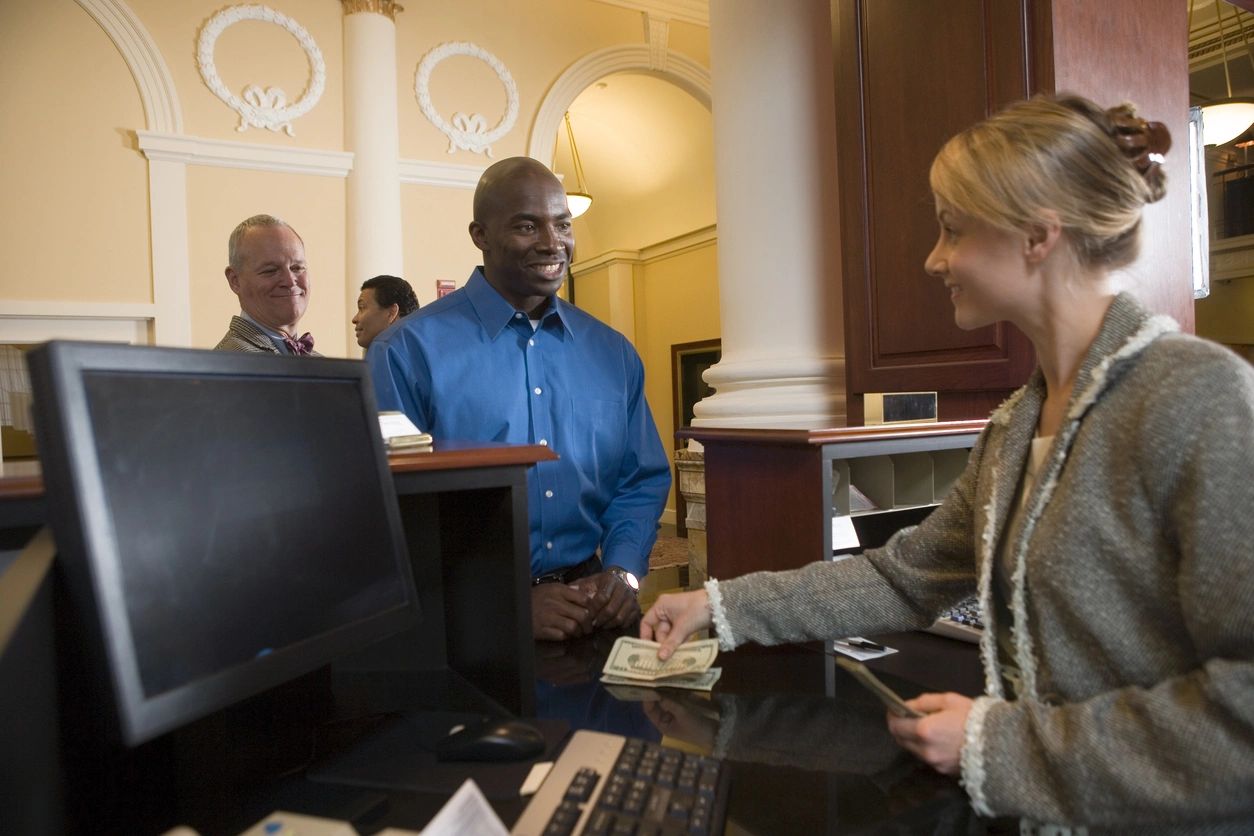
(912, 73)
(772, 495)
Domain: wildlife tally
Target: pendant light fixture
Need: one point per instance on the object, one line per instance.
(579, 200)
(1223, 120)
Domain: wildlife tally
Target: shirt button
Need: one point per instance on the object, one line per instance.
(537, 390)
(548, 494)
(517, 315)
(549, 545)
(544, 442)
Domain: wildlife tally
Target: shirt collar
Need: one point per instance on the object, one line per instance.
(495, 313)
(269, 332)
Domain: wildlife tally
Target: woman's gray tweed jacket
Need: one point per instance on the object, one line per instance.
(1133, 592)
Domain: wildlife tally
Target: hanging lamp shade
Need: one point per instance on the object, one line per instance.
(1223, 120)
(579, 201)
(1226, 119)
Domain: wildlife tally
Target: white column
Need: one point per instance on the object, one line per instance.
(622, 295)
(778, 223)
(374, 242)
(171, 278)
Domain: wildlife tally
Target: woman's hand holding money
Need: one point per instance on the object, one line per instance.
(673, 618)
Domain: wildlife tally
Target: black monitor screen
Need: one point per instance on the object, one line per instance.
(235, 516)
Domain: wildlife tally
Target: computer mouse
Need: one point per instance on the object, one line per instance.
(492, 740)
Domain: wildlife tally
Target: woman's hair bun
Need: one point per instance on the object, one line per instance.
(1144, 143)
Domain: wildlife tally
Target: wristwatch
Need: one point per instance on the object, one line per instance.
(626, 577)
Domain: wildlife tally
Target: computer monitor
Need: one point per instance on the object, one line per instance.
(224, 522)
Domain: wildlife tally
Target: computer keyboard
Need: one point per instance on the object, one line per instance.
(605, 784)
(963, 622)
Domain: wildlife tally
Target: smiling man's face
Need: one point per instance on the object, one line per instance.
(270, 279)
(526, 237)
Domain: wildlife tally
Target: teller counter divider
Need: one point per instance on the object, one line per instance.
(464, 513)
(774, 498)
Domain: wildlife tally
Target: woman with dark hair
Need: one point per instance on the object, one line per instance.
(383, 300)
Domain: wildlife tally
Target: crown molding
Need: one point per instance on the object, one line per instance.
(446, 175)
(680, 244)
(388, 8)
(605, 259)
(246, 155)
(689, 11)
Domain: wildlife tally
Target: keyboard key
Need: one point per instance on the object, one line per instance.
(584, 783)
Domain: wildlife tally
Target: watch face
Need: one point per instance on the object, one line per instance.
(626, 577)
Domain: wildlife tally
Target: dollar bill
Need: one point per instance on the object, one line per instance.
(703, 681)
(636, 659)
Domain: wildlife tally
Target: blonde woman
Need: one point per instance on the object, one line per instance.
(1105, 518)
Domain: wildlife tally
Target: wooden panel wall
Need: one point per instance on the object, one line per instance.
(910, 74)
(1137, 51)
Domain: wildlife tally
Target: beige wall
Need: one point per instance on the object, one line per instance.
(76, 212)
(78, 216)
(73, 194)
(314, 206)
(675, 300)
(1227, 315)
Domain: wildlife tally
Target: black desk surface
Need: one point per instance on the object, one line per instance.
(808, 747)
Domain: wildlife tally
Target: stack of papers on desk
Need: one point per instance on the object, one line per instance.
(634, 662)
(400, 434)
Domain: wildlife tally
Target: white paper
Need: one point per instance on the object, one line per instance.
(393, 424)
(843, 534)
(467, 813)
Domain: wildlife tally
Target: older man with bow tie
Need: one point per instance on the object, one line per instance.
(267, 272)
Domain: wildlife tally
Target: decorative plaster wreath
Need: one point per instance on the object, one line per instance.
(260, 108)
(467, 131)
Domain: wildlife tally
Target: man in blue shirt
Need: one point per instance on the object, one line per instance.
(504, 359)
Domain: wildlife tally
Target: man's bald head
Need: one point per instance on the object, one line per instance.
(523, 228)
(500, 180)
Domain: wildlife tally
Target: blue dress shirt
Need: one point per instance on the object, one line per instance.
(469, 367)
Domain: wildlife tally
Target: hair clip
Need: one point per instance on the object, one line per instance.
(1144, 143)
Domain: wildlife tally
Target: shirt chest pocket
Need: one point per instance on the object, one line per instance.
(599, 434)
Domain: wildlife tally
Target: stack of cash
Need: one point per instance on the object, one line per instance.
(634, 662)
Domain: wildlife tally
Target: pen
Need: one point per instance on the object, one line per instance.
(862, 643)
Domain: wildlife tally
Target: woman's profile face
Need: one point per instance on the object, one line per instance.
(983, 267)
